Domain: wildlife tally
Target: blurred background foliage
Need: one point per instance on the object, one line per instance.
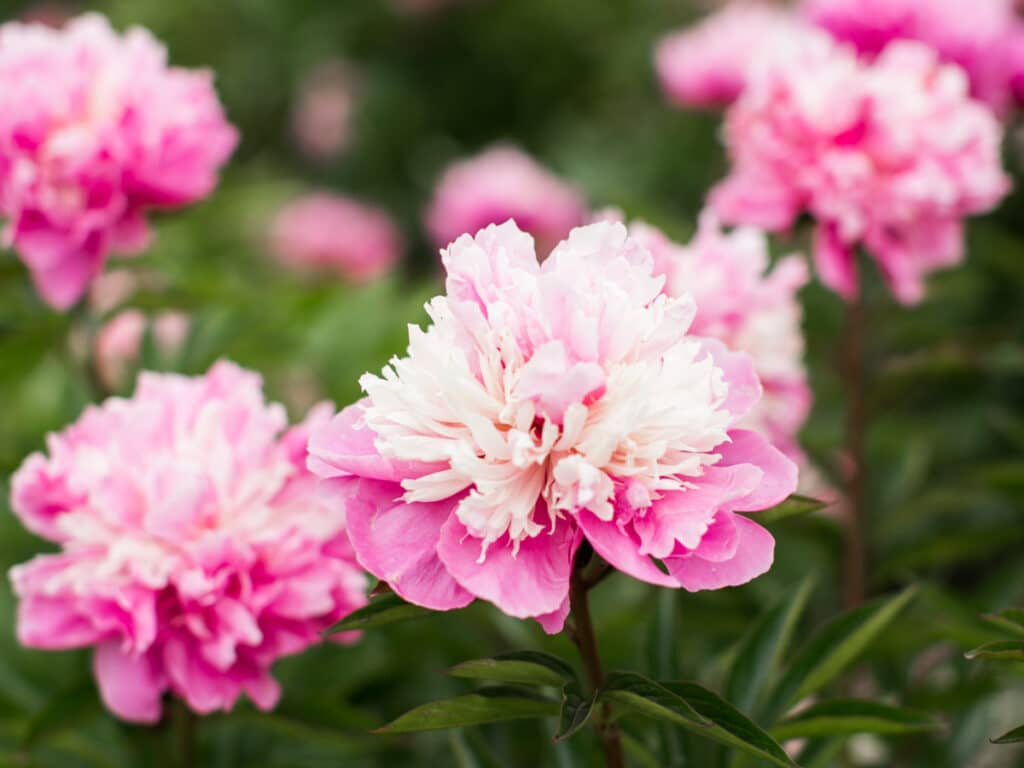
(571, 82)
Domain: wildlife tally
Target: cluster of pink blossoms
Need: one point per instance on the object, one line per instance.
(194, 547)
(544, 405)
(982, 37)
(499, 184)
(747, 308)
(889, 155)
(329, 233)
(95, 129)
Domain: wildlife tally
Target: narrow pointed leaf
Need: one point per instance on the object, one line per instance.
(388, 608)
(837, 645)
(1000, 650)
(762, 649)
(576, 710)
(697, 709)
(485, 706)
(843, 717)
(1014, 736)
(793, 506)
(524, 667)
(1011, 620)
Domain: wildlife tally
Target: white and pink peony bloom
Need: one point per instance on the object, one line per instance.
(95, 130)
(889, 155)
(748, 308)
(544, 405)
(977, 36)
(708, 64)
(194, 548)
(320, 232)
(499, 184)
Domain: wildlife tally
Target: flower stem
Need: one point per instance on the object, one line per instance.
(585, 639)
(185, 734)
(855, 558)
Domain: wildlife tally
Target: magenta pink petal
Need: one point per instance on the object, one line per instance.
(780, 473)
(755, 551)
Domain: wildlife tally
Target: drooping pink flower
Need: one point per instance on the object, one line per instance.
(975, 35)
(96, 129)
(194, 547)
(890, 156)
(708, 64)
(499, 184)
(546, 404)
(118, 343)
(324, 232)
(749, 309)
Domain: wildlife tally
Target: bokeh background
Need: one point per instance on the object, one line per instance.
(571, 82)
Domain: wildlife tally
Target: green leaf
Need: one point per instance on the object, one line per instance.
(61, 711)
(697, 709)
(1000, 650)
(1012, 737)
(576, 710)
(485, 706)
(386, 609)
(524, 667)
(835, 647)
(843, 717)
(761, 650)
(793, 506)
(1010, 620)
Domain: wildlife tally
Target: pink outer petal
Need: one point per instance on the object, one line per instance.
(780, 473)
(755, 551)
(744, 385)
(835, 263)
(621, 549)
(40, 496)
(130, 685)
(554, 622)
(397, 542)
(528, 584)
(345, 446)
(54, 623)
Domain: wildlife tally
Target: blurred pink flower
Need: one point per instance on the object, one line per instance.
(323, 232)
(544, 405)
(118, 344)
(499, 184)
(749, 309)
(976, 35)
(194, 548)
(323, 109)
(890, 155)
(95, 129)
(708, 64)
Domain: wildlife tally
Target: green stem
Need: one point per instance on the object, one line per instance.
(585, 639)
(185, 722)
(855, 557)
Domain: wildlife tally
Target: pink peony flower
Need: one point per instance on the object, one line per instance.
(95, 129)
(544, 405)
(194, 548)
(749, 309)
(708, 64)
(976, 38)
(322, 232)
(499, 184)
(118, 344)
(890, 156)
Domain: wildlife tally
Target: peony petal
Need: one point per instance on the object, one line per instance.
(754, 553)
(345, 446)
(526, 584)
(130, 685)
(835, 262)
(780, 473)
(622, 550)
(738, 369)
(398, 541)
